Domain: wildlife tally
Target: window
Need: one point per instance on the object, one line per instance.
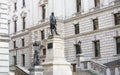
(44, 51)
(43, 12)
(23, 42)
(23, 23)
(15, 6)
(117, 18)
(118, 45)
(74, 67)
(76, 28)
(95, 24)
(97, 3)
(78, 49)
(42, 35)
(97, 48)
(23, 2)
(14, 44)
(15, 26)
(23, 59)
(78, 2)
(14, 60)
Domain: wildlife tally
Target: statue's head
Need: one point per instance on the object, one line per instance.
(52, 13)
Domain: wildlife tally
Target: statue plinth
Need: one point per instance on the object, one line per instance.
(55, 63)
(36, 70)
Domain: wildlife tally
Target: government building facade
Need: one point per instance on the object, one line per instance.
(90, 29)
(4, 38)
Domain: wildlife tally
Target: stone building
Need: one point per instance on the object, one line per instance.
(90, 29)
(4, 38)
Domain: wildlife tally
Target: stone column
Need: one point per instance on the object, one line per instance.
(55, 63)
(116, 71)
(108, 71)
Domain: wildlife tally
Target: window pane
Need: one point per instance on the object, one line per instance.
(97, 48)
(118, 45)
(78, 49)
(76, 28)
(23, 59)
(23, 22)
(43, 12)
(23, 42)
(23, 2)
(78, 5)
(14, 59)
(42, 34)
(14, 43)
(15, 26)
(95, 24)
(15, 6)
(44, 51)
(117, 18)
(97, 3)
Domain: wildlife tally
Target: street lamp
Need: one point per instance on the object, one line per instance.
(16, 54)
(79, 42)
(36, 60)
(78, 55)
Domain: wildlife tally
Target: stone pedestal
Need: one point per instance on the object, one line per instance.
(37, 70)
(55, 63)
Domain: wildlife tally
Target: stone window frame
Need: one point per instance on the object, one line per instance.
(15, 26)
(95, 49)
(42, 34)
(14, 60)
(43, 11)
(23, 59)
(43, 4)
(97, 3)
(44, 51)
(15, 23)
(76, 28)
(23, 17)
(78, 6)
(117, 18)
(23, 42)
(24, 23)
(15, 6)
(117, 49)
(23, 3)
(78, 49)
(14, 44)
(95, 25)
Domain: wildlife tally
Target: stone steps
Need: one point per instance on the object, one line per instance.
(83, 73)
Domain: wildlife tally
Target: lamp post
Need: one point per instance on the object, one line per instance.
(16, 54)
(36, 68)
(36, 60)
(78, 55)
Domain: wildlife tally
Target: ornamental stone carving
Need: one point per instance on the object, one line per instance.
(23, 14)
(42, 2)
(15, 18)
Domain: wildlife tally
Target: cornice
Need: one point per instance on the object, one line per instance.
(4, 35)
(43, 25)
(19, 48)
(4, 40)
(4, 53)
(80, 16)
(93, 32)
(19, 35)
(38, 26)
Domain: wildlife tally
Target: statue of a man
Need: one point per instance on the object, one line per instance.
(36, 58)
(53, 24)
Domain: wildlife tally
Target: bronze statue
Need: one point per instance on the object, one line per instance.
(53, 24)
(36, 58)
